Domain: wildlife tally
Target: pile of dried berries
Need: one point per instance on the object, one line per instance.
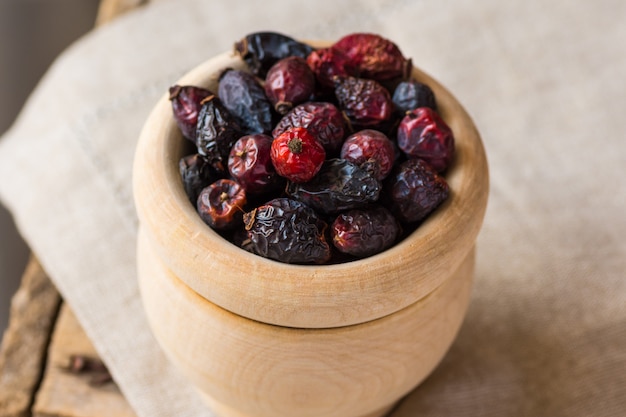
(314, 156)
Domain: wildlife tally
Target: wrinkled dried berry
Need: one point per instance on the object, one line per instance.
(423, 134)
(216, 132)
(414, 190)
(365, 102)
(186, 106)
(374, 57)
(339, 185)
(297, 155)
(326, 63)
(411, 94)
(251, 166)
(261, 50)
(322, 120)
(289, 82)
(288, 231)
(196, 174)
(371, 150)
(245, 99)
(364, 232)
(221, 204)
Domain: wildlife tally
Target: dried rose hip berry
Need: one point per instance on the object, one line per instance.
(216, 132)
(196, 173)
(186, 106)
(371, 150)
(251, 166)
(261, 50)
(364, 232)
(289, 82)
(365, 102)
(423, 134)
(221, 204)
(374, 56)
(326, 63)
(414, 190)
(339, 185)
(323, 120)
(245, 99)
(288, 231)
(411, 94)
(297, 155)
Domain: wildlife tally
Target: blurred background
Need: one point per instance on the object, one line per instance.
(32, 34)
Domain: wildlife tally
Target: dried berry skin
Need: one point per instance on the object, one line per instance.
(326, 63)
(371, 150)
(250, 164)
(216, 132)
(411, 94)
(186, 105)
(415, 190)
(422, 133)
(374, 57)
(289, 82)
(339, 185)
(261, 50)
(323, 120)
(196, 173)
(364, 232)
(365, 102)
(221, 204)
(245, 99)
(288, 231)
(297, 155)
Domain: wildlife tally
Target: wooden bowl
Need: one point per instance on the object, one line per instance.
(267, 339)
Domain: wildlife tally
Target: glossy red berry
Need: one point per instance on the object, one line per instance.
(289, 82)
(374, 57)
(422, 133)
(364, 232)
(371, 150)
(221, 204)
(250, 164)
(365, 102)
(186, 103)
(323, 120)
(297, 155)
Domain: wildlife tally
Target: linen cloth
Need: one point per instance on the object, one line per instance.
(545, 82)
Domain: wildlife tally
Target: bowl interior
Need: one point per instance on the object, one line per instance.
(304, 296)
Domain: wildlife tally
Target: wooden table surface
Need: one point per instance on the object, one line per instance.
(48, 366)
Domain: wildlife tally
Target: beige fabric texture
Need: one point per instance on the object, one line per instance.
(545, 82)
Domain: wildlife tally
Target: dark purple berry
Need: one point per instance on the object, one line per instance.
(339, 185)
(261, 50)
(322, 120)
(289, 82)
(364, 232)
(216, 132)
(251, 166)
(414, 190)
(221, 204)
(371, 150)
(365, 102)
(288, 231)
(186, 106)
(244, 97)
(196, 174)
(423, 134)
(411, 94)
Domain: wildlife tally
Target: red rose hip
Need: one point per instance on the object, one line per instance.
(289, 82)
(423, 134)
(365, 102)
(297, 155)
(221, 204)
(250, 164)
(371, 150)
